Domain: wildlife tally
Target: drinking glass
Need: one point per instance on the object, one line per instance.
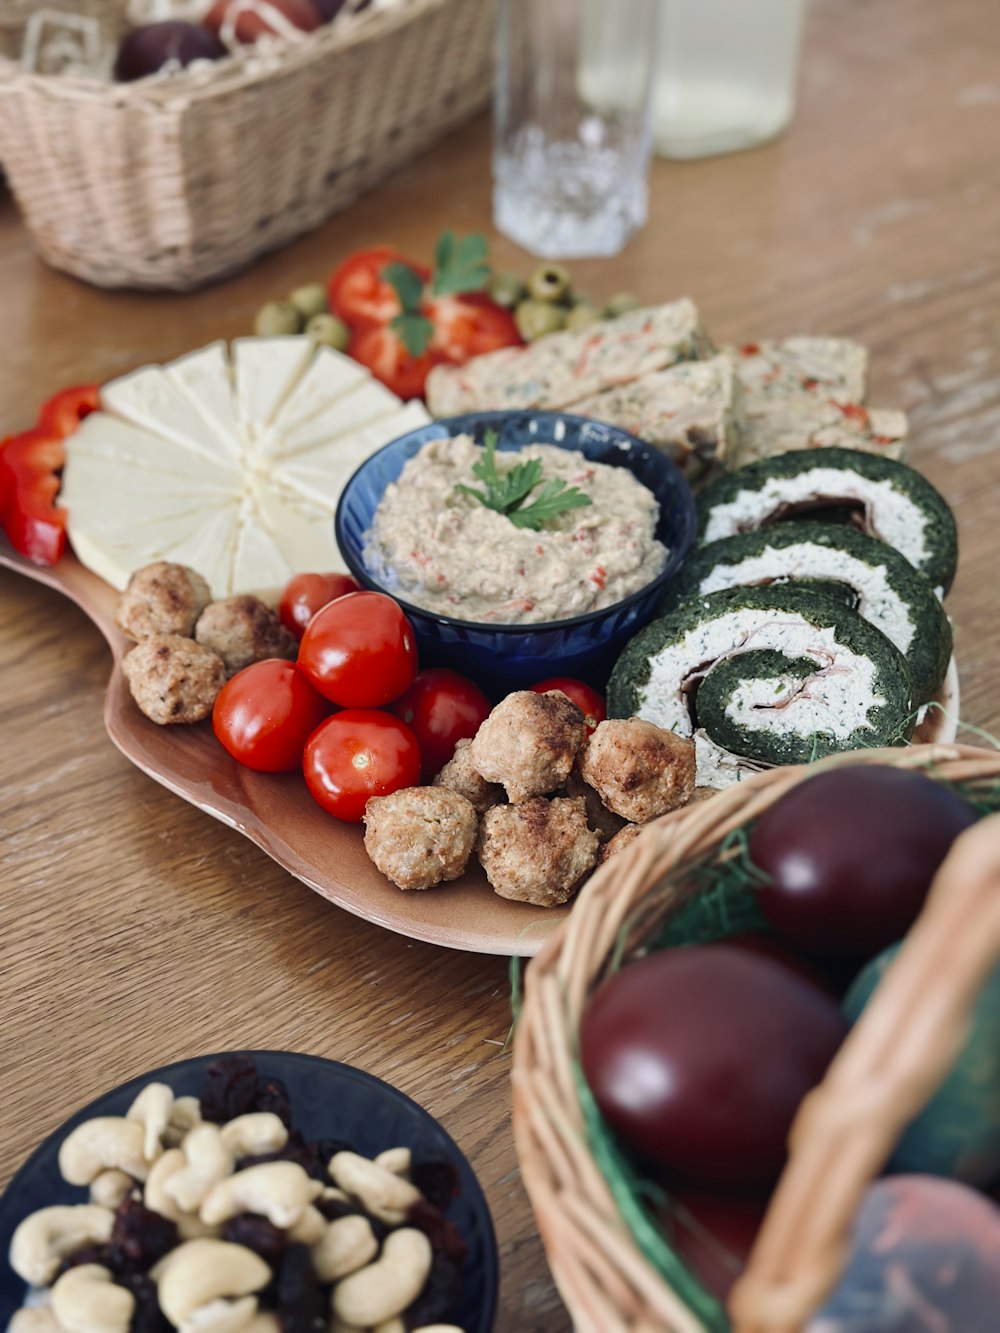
(572, 123)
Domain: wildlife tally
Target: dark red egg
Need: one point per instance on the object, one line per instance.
(146, 49)
(851, 854)
(249, 19)
(699, 1057)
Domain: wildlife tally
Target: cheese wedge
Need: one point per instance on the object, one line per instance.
(230, 462)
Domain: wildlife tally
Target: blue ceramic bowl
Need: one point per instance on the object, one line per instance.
(328, 1100)
(505, 657)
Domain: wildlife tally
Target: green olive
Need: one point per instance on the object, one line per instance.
(506, 289)
(330, 331)
(536, 318)
(620, 304)
(310, 299)
(276, 317)
(549, 282)
(582, 316)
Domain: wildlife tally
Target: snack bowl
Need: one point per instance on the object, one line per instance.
(328, 1100)
(505, 657)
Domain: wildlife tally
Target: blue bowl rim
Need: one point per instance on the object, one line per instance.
(462, 423)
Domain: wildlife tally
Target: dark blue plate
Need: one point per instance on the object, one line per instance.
(507, 657)
(329, 1100)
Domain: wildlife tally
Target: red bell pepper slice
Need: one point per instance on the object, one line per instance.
(30, 464)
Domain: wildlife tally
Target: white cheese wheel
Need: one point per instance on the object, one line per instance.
(230, 462)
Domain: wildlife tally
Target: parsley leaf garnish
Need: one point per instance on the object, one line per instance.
(413, 327)
(506, 491)
(460, 265)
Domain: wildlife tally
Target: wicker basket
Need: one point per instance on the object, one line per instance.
(169, 183)
(887, 1069)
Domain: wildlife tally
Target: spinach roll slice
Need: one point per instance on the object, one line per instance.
(873, 577)
(886, 499)
(801, 675)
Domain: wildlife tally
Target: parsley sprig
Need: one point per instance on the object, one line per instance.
(507, 491)
(459, 266)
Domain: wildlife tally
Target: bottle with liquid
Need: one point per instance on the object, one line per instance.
(726, 74)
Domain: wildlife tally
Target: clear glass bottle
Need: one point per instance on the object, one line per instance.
(726, 74)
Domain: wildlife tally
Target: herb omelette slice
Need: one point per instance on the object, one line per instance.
(802, 675)
(881, 585)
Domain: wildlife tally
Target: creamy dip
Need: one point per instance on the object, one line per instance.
(444, 551)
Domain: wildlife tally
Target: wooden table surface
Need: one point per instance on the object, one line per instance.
(135, 930)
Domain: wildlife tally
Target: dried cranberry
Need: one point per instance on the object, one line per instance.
(437, 1181)
(332, 1209)
(301, 1304)
(139, 1236)
(327, 1148)
(306, 1155)
(87, 1254)
(257, 1234)
(147, 1316)
(444, 1235)
(272, 1095)
(442, 1292)
(229, 1089)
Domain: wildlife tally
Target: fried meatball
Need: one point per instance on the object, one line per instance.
(537, 851)
(638, 769)
(529, 742)
(244, 630)
(625, 835)
(162, 599)
(420, 836)
(174, 679)
(460, 775)
(603, 821)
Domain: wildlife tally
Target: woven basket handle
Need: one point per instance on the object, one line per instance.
(896, 1057)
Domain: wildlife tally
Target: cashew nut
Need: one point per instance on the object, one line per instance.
(386, 1196)
(279, 1191)
(86, 1300)
(386, 1287)
(111, 1188)
(189, 1225)
(201, 1271)
(36, 1319)
(263, 1322)
(207, 1161)
(396, 1160)
(184, 1115)
(221, 1316)
(393, 1325)
(309, 1228)
(347, 1244)
(152, 1110)
(99, 1144)
(258, 1132)
(43, 1239)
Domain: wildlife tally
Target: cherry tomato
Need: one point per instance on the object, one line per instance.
(356, 754)
(265, 714)
(359, 650)
(468, 325)
(358, 293)
(383, 352)
(305, 594)
(441, 708)
(851, 854)
(589, 701)
(699, 1058)
(64, 411)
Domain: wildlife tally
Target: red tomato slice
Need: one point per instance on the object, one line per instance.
(360, 650)
(590, 703)
(265, 714)
(29, 482)
(441, 708)
(65, 410)
(357, 292)
(469, 325)
(356, 754)
(382, 351)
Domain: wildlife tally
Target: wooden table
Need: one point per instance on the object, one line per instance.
(135, 930)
